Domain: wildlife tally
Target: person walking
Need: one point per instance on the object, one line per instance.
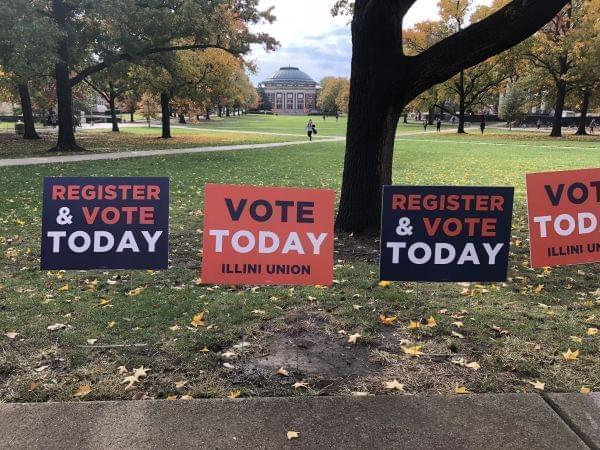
(310, 129)
(425, 123)
(482, 125)
(438, 125)
(538, 124)
(592, 126)
(337, 116)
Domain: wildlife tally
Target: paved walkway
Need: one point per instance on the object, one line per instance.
(517, 421)
(145, 153)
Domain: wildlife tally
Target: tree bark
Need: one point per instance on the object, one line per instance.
(166, 115)
(461, 103)
(207, 115)
(561, 92)
(112, 98)
(28, 121)
(113, 113)
(66, 134)
(131, 115)
(372, 118)
(581, 130)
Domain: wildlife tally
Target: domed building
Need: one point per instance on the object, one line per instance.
(291, 91)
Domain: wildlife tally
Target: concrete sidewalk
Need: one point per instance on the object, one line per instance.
(523, 421)
(146, 153)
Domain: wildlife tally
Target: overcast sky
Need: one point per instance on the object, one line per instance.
(314, 41)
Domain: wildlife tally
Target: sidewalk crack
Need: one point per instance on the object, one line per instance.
(565, 418)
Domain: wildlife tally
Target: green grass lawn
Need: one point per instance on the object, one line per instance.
(133, 138)
(516, 331)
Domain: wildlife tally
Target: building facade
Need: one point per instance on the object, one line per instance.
(291, 91)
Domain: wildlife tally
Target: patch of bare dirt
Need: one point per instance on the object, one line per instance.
(309, 347)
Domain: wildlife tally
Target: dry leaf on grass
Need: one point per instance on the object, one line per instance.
(387, 320)
(234, 394)
(394, 384)
(198, 320)
(83, 391)
(412, 351)
(461, 390)
(353, 338)
(571, 355)
(537, 384)
(131, 380)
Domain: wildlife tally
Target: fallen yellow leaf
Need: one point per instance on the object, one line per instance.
(461, 390)
(413, 325)
(414, 350)
(234, 394)
(83, 391)
(198, 320)
(394, 384)
(570, 355)
(353, 338)
(384, 284)
(387, 320)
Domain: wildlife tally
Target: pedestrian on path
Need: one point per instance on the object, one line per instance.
(482, 125)
(310, 129)
(438, 125)
(337, 116)
(538, 124)
(592, 126)
(425, 123)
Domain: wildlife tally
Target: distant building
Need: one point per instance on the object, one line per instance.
(291, 91)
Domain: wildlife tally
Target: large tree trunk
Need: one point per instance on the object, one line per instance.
(29, 132)
(66, 134)
(372, 123)
(561, 92)
(207, 115)
(166, 115)
(461, 103)
(431, 114)
(113, 113)
(585, 104)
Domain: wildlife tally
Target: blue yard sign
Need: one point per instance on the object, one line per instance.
(105, 223)
(445, 233)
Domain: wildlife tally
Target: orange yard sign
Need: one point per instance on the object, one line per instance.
(267, 236)
(564, 217)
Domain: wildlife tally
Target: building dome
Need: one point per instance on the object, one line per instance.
(290, 75)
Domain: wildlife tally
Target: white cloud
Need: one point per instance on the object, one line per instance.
(313, 40)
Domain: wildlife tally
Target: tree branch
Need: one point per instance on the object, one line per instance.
(150, 51)
(97, 89)
(476, 43)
